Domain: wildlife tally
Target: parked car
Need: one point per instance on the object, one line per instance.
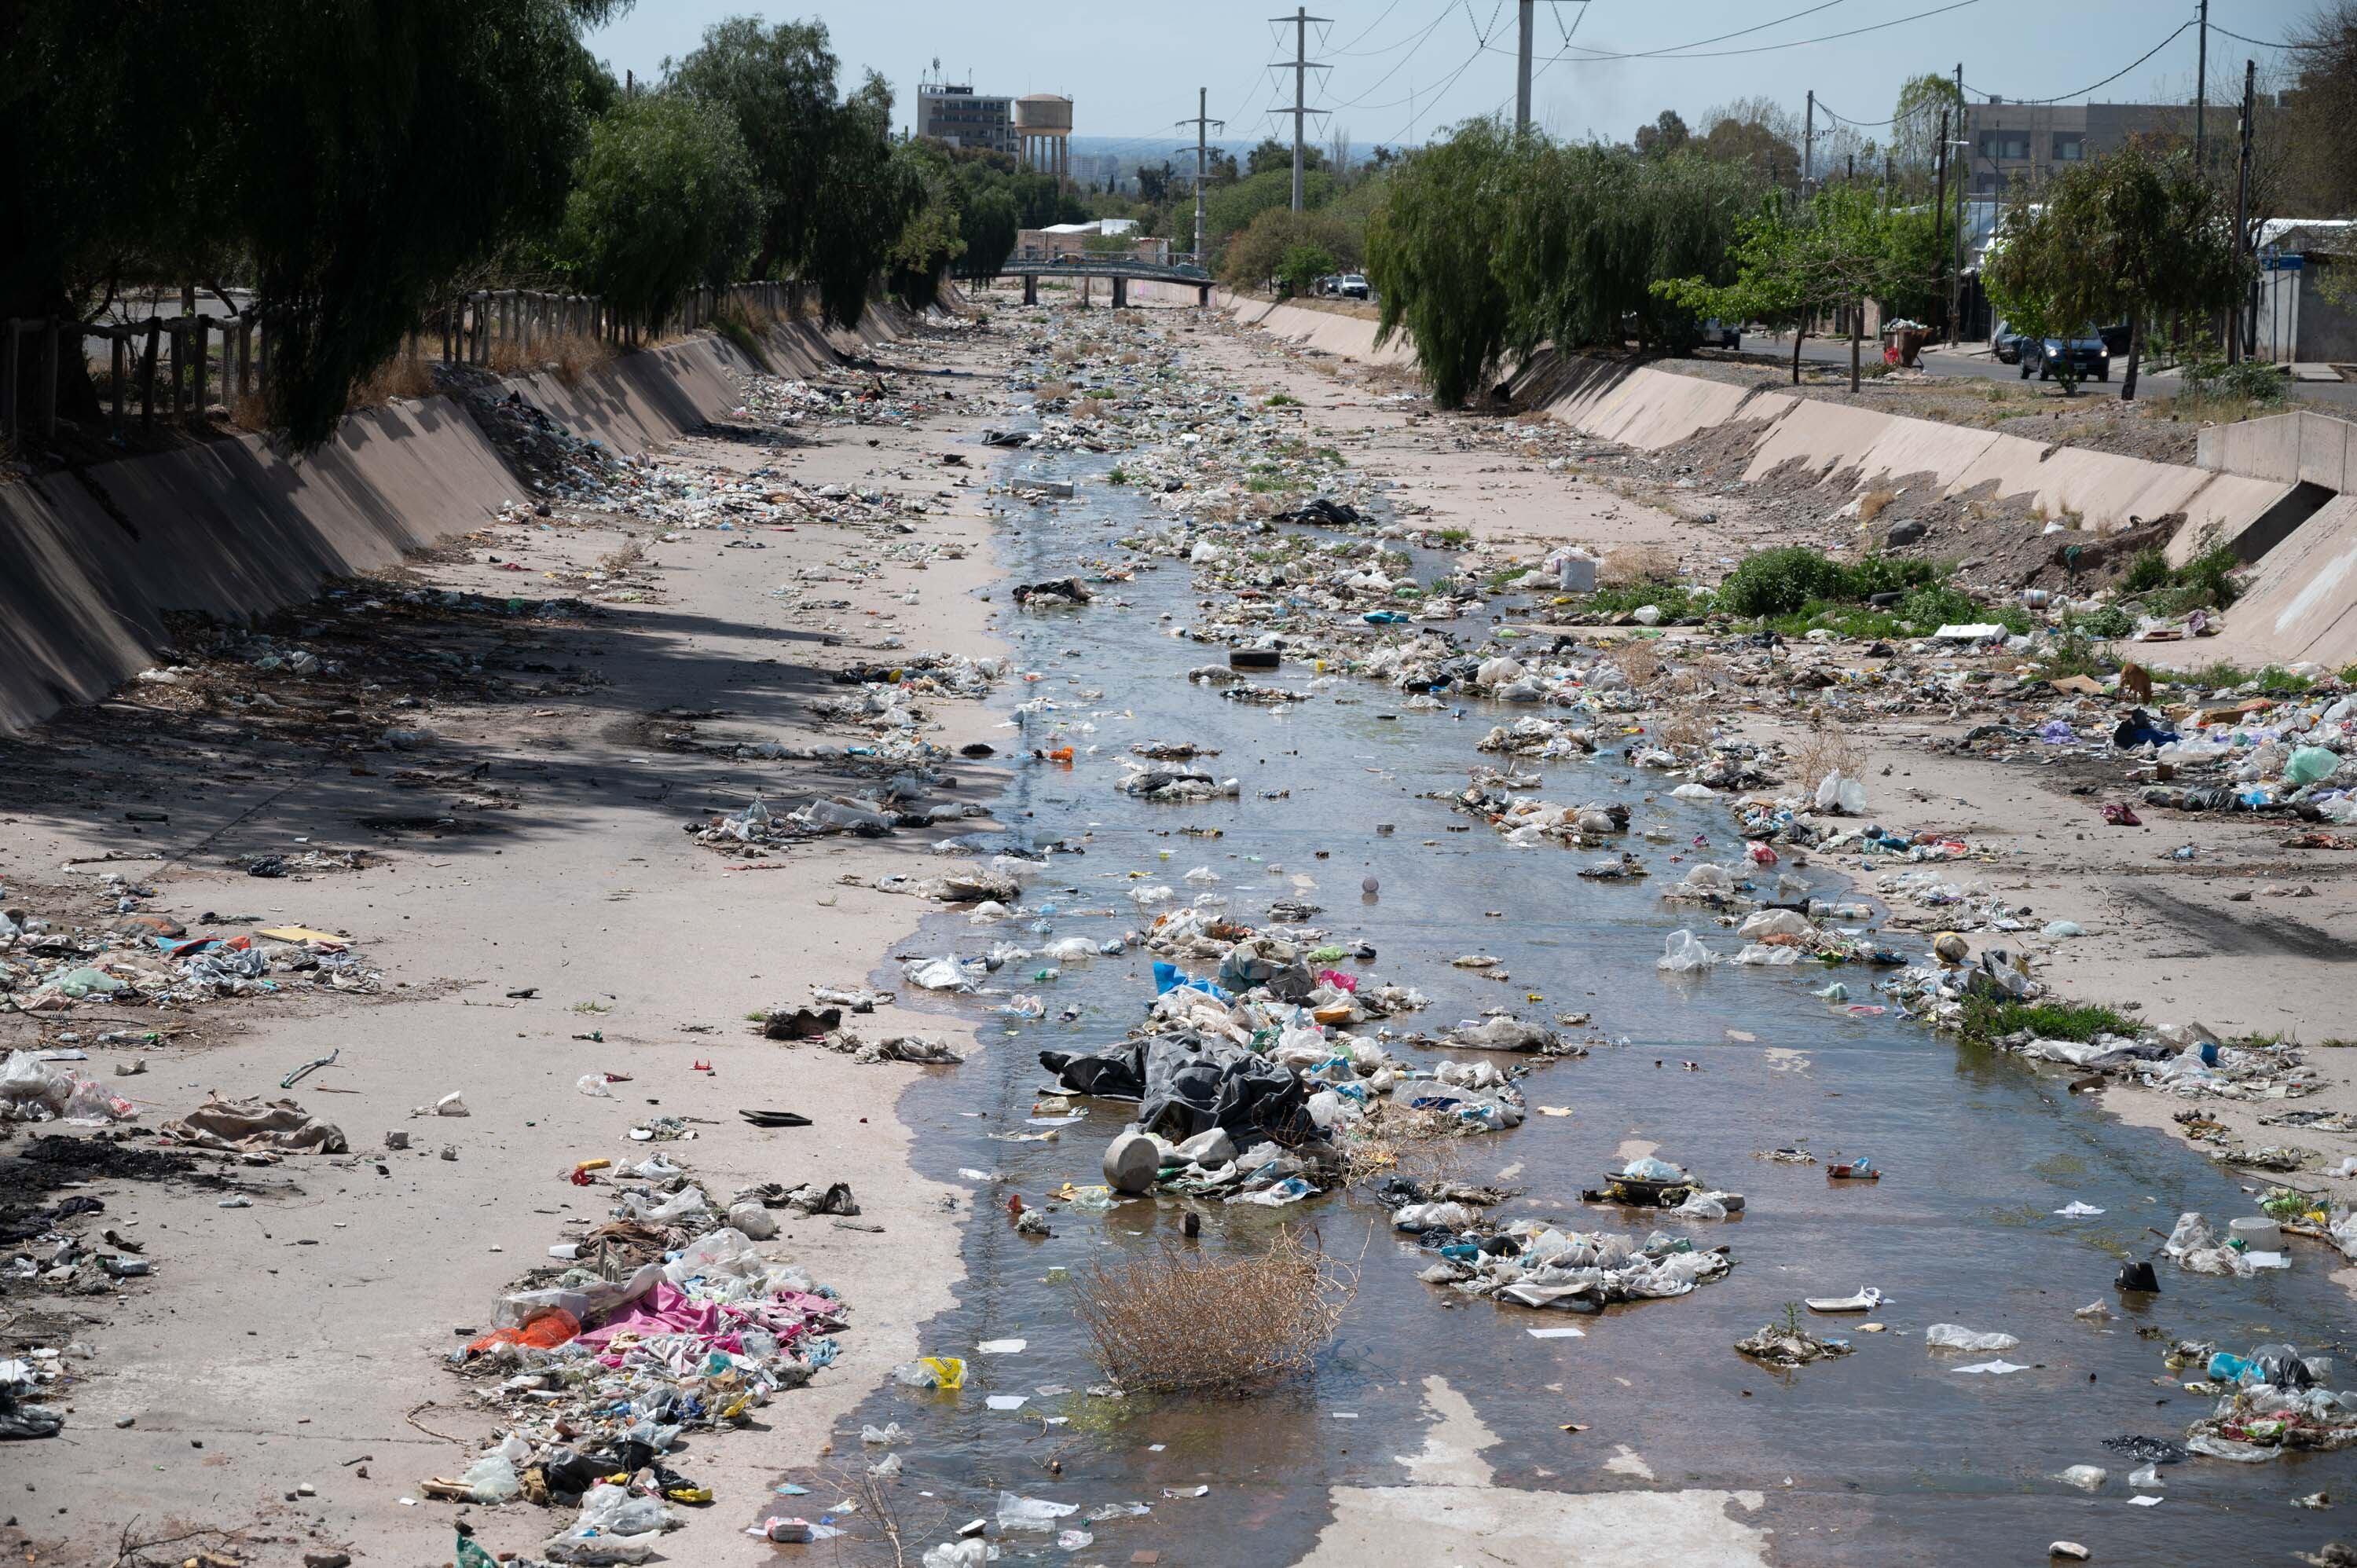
(1353, 285)
(2116, 339)
(2006, 343)
(2082, 352)
(1718, 334)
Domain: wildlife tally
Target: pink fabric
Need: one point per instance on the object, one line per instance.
(1338, 980)
(663, 1310)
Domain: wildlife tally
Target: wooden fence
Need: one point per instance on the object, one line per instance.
(172, 366)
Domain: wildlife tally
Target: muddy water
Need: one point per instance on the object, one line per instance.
(1887, 1456)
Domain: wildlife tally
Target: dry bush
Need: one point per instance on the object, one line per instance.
(508, 357)
(404, 375)
(1176, 1321)
(1687, 729)
(248, 412)
(1088, 408)
(1825, 750)
(1870, 505)
(1628, 564)
(572, 353)
(1049, 392)
(623, 556)
(1639, 660)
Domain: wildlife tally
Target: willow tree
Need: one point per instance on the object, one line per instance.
(1431, 243)
(1588, 230)
(344, 160)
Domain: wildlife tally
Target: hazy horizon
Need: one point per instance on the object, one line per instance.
(1404, 69)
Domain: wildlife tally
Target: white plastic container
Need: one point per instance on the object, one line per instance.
(2257, 1233)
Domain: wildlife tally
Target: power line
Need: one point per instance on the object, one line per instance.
(2263, 44)
(1348, 49)
(1697, 43)
(1675, 51)
(1437, 93)
(1862, 125)
(2091, 87)
(1405, 61)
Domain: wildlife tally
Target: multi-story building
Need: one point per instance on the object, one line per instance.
(959, 115)
(2012, 147)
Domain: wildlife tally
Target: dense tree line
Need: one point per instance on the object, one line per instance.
(1494, 242)
(357, 163)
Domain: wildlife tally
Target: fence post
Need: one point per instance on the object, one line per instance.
(204, 355)
(245, 355)
(148, 375)
(114, 344)
(12, 365)
(50, 376)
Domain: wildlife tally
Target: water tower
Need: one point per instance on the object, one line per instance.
(1043, 129)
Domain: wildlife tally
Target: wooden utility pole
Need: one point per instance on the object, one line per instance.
(2246, 314)
(1940, 207)
(2202, 88)
(1957, 278)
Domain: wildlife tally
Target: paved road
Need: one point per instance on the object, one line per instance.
(1986, 366)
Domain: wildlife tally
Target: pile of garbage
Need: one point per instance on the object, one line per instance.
(664, 1320)
(2275, 1403)
(1790, 1346)
(1530, 1263)
(147, 960)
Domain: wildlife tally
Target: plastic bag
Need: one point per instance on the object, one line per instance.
(1031, 1513)
(960, 1554)
(1645, 1167)
(614, 1510)
(27, 1081)
(1955, 1336)
(1835, 793)
(1774, 923)
(1683, 953)
(593, 1084)
(930, 1372)
(2310, 765)
(492, 1479)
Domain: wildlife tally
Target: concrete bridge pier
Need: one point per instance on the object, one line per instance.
(1031, 288)
(1120, 293)
(1203, 296)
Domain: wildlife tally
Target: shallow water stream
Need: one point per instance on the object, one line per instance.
(1887, 1456)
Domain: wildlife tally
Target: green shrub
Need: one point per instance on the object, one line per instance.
(2148, 570)
(2209, 574)
(1928, 610)
(2276, 682)
(1985, 1019)
(1676, 601)
(1780, 581)
(2109, 621)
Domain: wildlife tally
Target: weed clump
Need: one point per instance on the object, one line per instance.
(1180, 1322)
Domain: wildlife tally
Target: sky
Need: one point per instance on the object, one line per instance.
(1404, 69)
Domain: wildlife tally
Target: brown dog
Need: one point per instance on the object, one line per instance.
(2135, 682)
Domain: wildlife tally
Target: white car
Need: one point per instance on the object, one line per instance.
(1353, 285)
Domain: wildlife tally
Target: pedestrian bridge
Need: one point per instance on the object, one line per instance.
(1122, 269)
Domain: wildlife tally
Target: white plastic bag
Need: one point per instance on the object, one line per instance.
(1955, 1336)
(1031, 1513)
(1683, 953)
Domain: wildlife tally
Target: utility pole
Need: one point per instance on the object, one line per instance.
(1202, 121)
(2200, 89)
(1939, 205)
(1957, 278)
(1809, 144)
(1302, 66)
(2249, 312)
(1529, 9)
